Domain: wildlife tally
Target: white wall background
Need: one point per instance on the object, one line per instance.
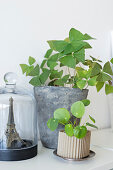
(25, 25)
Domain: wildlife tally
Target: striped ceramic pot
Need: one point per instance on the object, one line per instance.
(72, 147)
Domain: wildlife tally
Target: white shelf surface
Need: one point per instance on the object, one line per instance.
(45, 160)
(103, 138)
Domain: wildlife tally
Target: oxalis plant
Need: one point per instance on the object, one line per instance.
(62, 116)
(65, 64)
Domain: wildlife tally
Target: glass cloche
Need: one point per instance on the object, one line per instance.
(18, 122)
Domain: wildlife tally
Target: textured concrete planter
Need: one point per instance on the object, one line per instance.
(50, 98)
(73, 148)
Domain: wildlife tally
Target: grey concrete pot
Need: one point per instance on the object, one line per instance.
(50, 98)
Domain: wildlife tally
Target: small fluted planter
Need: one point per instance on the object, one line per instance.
(72, 147)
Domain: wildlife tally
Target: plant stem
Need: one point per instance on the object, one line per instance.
(86, 86)
(71, 123)
(69, 74)
(80, 121)
(74, 76)
(62, 123)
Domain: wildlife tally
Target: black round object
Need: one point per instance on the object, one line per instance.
(18, 154)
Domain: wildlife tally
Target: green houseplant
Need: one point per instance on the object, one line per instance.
(63, 78)
(72, 133)
(70, 53)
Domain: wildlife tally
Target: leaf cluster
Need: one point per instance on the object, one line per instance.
(70, 53)
(62, 116)
(38, 73)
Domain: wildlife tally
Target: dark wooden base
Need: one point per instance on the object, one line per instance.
(18, 154)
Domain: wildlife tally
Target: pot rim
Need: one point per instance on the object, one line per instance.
(88, 132)
(60, 87)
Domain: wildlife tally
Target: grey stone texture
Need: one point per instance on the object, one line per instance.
(50, 98)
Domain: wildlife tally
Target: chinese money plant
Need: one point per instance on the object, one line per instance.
(62, 116)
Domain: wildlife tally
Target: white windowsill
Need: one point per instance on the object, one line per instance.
(102, 144)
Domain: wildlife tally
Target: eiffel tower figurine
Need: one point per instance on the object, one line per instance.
(13, 139)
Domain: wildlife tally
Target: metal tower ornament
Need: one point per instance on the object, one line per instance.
(12, 137)
(18, 121)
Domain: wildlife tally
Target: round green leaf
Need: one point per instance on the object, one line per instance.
(86, 102)
(69, 129)
(80, 131)
(52, 124)
(78, 109)
(62, 115)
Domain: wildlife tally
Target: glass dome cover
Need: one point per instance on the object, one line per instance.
(18, 121)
